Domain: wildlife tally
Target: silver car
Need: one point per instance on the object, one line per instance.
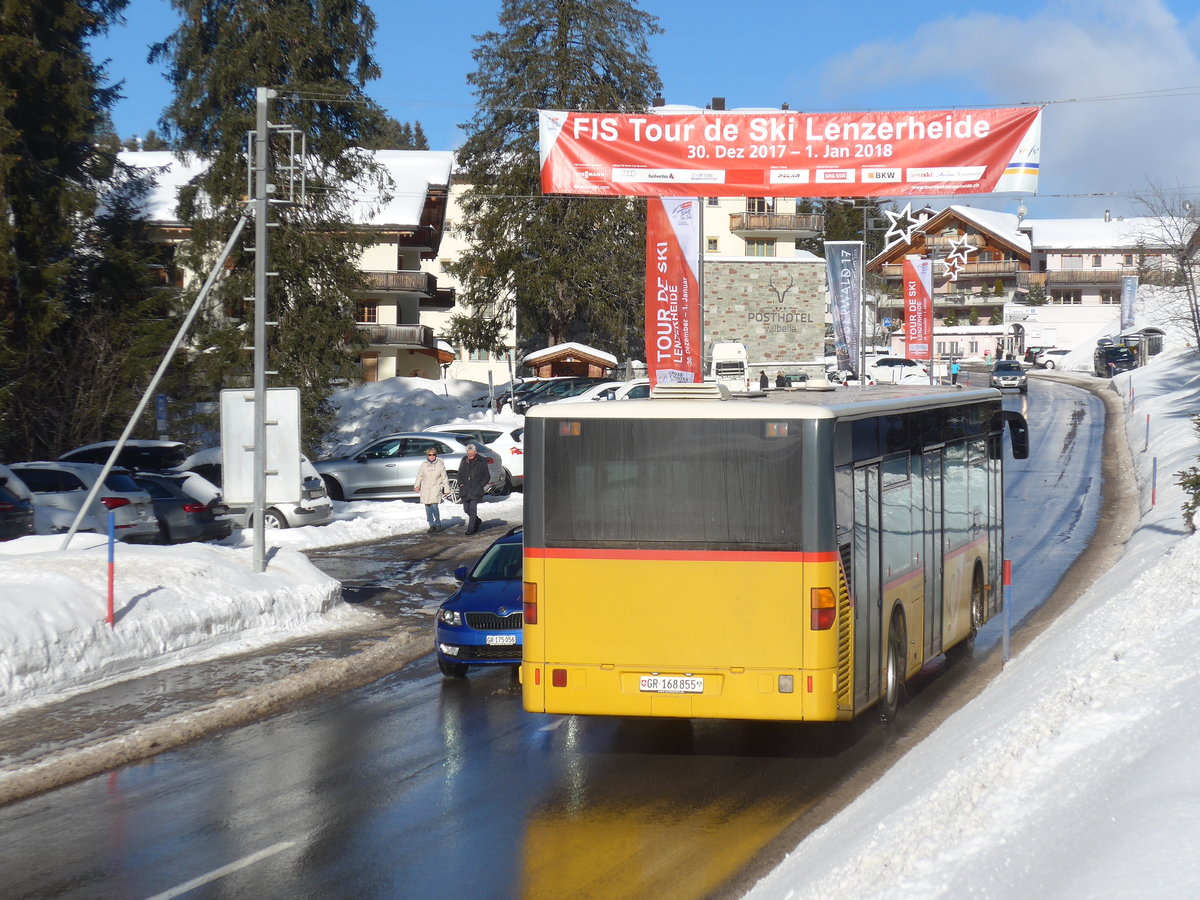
(59, 489)
(386, 468)
(1010, 374)
(314, 507)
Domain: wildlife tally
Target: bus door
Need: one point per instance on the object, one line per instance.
(931, 530)
(865, 586)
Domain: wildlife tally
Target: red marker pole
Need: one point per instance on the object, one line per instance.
(1007, 610)
(112, 540)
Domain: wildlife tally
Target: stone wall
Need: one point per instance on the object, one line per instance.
(775, 306)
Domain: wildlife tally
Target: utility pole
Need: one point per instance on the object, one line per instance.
(262, 207)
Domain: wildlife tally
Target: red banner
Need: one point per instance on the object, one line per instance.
(778, 153)
(673, 340)
(918, 307)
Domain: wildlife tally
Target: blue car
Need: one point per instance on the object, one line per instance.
(480, 623)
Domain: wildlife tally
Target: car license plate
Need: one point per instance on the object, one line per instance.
(671, 684)
(501, 640)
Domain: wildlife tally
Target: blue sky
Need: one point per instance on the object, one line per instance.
(1132, 66)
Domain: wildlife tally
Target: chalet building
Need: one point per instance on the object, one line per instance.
(407, 229)
(1050, 282)
(571, 359)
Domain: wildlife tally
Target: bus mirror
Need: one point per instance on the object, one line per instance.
(1018, 433)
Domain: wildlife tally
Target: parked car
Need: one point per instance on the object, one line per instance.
(505, 439)
(313, 508)
(188, 507)
(480, 623)
(1109, 359)
(59, 489)
(503, 393)
(16, 506)
(553, 389)
(1010, 374)
(385, 469)
(518, 390)
(1050, 359)
(895, 370)
(1032, 353)
(635, 389)
(142, 455)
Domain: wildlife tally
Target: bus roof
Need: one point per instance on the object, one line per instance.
(840, 403)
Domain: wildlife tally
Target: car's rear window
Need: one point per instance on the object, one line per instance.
(122, 483)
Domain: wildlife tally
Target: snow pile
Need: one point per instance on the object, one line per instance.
(196, 600)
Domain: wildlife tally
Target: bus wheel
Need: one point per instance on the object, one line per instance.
(966, 646)
(893, 671)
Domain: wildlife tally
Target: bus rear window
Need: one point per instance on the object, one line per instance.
(720, 484)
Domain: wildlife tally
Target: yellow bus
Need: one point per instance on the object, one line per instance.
(790, 556)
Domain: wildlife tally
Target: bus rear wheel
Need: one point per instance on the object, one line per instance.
(966, 646)
(893, 671)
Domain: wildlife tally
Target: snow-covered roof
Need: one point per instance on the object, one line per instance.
(559, 349)
(1095, 234)
(413, 173)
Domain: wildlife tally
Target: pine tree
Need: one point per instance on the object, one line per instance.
(396, 135)
(56, 156)
(574, 267)
(318, 57)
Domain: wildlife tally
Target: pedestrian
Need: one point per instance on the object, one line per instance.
(763, 381)
(955, 368)
(433, 485)
(473, 478)
(780, 381)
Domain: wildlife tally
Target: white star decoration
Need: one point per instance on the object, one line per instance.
(896, 231)
(957, 257)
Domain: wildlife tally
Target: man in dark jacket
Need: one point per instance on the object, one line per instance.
(473, 478)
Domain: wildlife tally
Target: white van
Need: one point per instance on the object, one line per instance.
(730, 365)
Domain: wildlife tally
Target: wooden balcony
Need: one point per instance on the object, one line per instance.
(410, 282)
(895, 271)
(801, 225)
(410, 337)
(1074, 277)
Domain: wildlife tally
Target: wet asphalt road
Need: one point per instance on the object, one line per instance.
(419, 786)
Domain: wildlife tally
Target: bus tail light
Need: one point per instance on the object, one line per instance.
(529, 604)
(824, 609)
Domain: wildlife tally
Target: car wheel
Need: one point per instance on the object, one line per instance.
(1049, 364)
(506, 485)
(893, 670)
(453, 670)
(333, 488)
(453, 496)
(273, 518)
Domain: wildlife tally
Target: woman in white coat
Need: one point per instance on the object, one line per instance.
(433, 485)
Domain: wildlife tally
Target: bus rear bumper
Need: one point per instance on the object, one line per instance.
(809, 695)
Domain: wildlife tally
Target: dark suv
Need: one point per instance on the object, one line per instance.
(1113, 358)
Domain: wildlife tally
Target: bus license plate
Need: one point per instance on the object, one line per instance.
(672, 684)
(501, 640)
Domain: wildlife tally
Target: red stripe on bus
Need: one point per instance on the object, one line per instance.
(682, 555)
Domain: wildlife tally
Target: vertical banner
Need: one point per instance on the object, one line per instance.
(844, 268)
(1129, 286)
(673, 348)
(918, 307)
